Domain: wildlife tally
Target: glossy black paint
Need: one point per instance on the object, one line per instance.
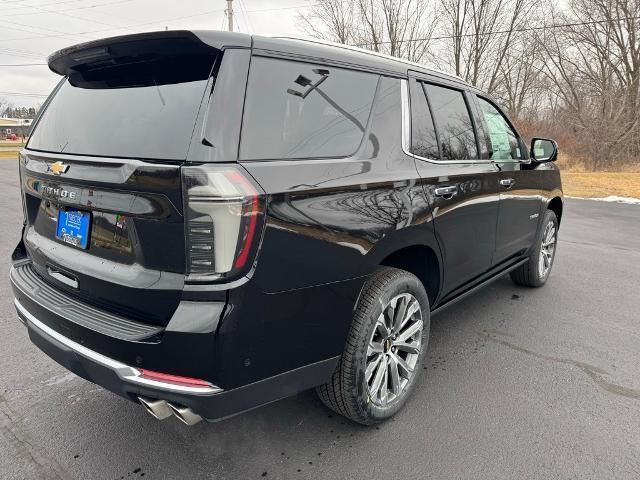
(329, 224)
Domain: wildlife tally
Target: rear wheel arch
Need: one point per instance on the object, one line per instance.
(423, 262)
(555, 205)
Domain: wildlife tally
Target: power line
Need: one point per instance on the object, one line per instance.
(86, 7)
(84, 19)
(23, 94)
(22, 64)
(502, 32)
(154, 22)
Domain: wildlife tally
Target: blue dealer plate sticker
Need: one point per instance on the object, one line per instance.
(73, 227)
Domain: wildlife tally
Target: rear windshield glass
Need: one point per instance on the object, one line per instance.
(300, 110)
(140, 110)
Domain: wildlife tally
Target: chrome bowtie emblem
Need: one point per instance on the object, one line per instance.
(57, 168)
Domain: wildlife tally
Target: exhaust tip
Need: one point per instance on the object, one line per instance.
(157, 408)
(185, 414)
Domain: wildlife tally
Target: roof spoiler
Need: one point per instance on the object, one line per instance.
(126, 48)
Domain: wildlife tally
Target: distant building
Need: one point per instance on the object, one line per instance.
(21, 127)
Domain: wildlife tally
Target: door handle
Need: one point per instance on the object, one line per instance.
(446, 192)
(507, 182)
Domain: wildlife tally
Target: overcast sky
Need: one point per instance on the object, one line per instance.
(32, 29)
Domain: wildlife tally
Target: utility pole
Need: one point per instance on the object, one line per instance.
(230, 14)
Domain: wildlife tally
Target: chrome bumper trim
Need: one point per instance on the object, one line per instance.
(125, 372)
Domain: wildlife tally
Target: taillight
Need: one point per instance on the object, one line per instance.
(224, 211)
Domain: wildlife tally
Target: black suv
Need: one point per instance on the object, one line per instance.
(214, 221)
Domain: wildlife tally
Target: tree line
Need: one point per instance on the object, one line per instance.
(571, 72)
(9, 111)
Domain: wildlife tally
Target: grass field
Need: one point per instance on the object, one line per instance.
(601, 184)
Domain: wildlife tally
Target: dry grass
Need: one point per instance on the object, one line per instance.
(601, 184)
(11, 154)
(8, 143)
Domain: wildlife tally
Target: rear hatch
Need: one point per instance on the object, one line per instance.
(101, 173)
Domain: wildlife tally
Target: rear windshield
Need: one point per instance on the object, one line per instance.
(140, 110)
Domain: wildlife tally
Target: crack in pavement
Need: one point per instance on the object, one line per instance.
(46, 468)
(594, 373)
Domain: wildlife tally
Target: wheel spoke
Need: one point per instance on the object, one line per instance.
(390, 313)
(380, 373)
(381, 325)
(401, 309)
(410, 331)
(384, 386)
(552, 233)
(407, 347)
(394, 375)
(371, 366)
(413, 307)
(403, 366)
(374, 348)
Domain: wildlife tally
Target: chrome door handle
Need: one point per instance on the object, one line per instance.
(446, 192)
(507, 182)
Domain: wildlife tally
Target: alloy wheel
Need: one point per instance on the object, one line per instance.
(394, 349)
(547, 249)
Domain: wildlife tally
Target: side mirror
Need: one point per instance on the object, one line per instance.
(544, 150)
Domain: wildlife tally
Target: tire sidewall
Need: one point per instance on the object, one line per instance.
(403, 283)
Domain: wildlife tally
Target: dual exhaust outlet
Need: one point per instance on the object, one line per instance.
(161, 409)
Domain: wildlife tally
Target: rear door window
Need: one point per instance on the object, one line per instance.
(302, 110)
(424, 141)
(140, 110)
(453, 122)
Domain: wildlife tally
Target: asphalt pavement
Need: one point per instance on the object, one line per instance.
(518, 383)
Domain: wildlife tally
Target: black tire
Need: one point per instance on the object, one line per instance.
(530, 274)
(347, 393)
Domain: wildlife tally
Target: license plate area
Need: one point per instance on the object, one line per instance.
(73, 227)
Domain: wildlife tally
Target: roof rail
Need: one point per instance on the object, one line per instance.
(354, 48)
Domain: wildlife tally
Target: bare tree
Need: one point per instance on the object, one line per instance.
(521, 86)
(4, 104)
(593, 65)
(330, 19)
(402, 28)
(482, 34)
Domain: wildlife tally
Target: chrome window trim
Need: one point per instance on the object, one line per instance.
(125, 372)
(406, 134)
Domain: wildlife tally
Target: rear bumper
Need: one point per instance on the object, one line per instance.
(212, 403)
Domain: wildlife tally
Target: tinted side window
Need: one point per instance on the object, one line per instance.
(300, 110)
(455, 128)
(502, 139)
(423, 134)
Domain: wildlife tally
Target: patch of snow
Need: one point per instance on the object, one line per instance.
(611, 198)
